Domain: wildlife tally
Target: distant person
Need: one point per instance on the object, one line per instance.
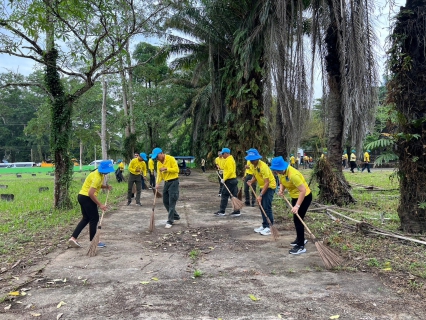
(168, 170)
(345, 160)
(151, 170)
(248, 175)
(366, 161)
(292, 161)
(136, 167)
(305, 161)
(301, 198)
(352, 161)
(203, 165)
(183, 164)
(89, 203)
(267, 184)
(119, 172)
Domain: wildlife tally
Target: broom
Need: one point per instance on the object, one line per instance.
(240, 192)
(94, 244)
(236, 203)
(156, 193)
(152, 220)
(274, 230)
(330, 258)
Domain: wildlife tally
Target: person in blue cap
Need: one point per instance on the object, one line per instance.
(168, 170)
(267, 184)
(301, 197)
(137, 168)
(352, 161)
(230, 180)
(366, 161)
(248, 175)
(89, 203)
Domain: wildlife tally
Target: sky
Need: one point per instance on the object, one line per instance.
(27, 66)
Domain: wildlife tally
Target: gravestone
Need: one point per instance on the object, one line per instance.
(3, 186)
(41, 189)
(52, 174)
(33, 174)
(7, 197)
(19, 176)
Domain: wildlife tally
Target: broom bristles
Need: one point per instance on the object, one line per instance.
(94, 244)
(237, 204)
(157, 193)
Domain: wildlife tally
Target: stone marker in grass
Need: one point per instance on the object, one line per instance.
(7, 197)
(41, 189)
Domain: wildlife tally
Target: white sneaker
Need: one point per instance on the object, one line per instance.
(260, 229)
(265, 232)
(168, 226)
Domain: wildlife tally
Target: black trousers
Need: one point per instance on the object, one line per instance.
(89, 210)
(232, 185)
(300, 229)
(134, 179)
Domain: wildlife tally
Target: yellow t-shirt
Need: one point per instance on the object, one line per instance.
(93, 180)
(121, 166)
(292, 179)
(151, 165)
(229, 168)
(262, 172)
(292, 160)
(248, 170)
(366, 157)
(353, 157)
(172, 169)
(136, 164)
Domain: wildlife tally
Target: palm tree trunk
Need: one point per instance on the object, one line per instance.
(407, 92)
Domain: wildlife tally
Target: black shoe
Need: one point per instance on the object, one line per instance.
(235, 214)
(297, 250)
(177, 218)
(139, 204)
(252, 204)
(133, 195)
(247, 203)
(294, 243)
(128, 203)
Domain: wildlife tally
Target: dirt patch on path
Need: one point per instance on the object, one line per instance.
(154, 276)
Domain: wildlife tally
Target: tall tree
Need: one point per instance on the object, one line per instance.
(406, 90)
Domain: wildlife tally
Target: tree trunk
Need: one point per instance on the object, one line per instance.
(81, 154)
(125, 100)
(407, 92)
(130, 90)
(280, 143)
(103, 120)
(61, 109)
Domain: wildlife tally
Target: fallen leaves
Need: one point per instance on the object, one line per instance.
(252, 297)
(335, 317)
(60, 304)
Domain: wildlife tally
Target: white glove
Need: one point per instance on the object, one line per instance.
(222, 181)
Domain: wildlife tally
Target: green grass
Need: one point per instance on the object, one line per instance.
(194, 253)
(31, 218)
(197, 273)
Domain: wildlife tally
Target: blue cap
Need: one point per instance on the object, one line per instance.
(253, 155)
(291, 155)
(225, 150)
(106, 167)
(143, 156)
(353, 151)
(155, 153)
(368, 150)
(150, 155)
(119, 161)
(249, 150)
(278, 164)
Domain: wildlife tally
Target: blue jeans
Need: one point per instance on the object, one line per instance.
(267, 206)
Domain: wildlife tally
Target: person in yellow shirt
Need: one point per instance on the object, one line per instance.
(292, 160)
(301, 197)
(89, 203)
(151, 169)
(267, 184)
(168, 170)
(305, 161)
(352, 161)
(219, 166)
(119, 171)
(345, 160)
(248, 175)
(229, 179)
(137, 168)
(366, 162)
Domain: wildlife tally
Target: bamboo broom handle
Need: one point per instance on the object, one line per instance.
(260, 205)
(225, 186)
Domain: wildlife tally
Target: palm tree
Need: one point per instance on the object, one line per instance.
(406, 91)
(350, 78)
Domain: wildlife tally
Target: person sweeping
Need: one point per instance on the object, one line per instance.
(301, 197)
(137, 168)
(248, 175)
(267, 184)
(89, 203)
(230, 182)
(168, 170)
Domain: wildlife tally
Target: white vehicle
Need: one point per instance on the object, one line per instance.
(97, 162)
(20, 164)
